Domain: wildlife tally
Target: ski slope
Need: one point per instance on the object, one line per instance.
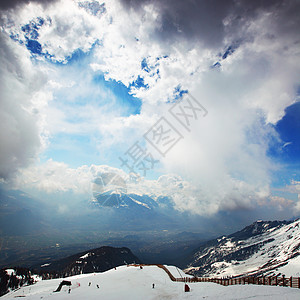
(134, 283)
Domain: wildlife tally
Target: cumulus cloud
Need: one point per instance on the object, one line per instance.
(20, 132)
(58, 178)
(240, 59)
(281, 202)
(214, 22)
(226, 154)
(53, 177)
(7, 4)
(177, 20)
(294, 188)
(70, 185)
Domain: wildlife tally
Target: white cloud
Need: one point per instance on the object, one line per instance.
(53, 177)
(225, 155)
(294, 187)
(21, 129)
(281, 202)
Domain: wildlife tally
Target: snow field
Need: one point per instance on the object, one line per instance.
(133, 283)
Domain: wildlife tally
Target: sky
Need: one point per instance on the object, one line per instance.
(195, 100)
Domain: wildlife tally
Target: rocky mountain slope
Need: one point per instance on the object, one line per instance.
(95, 260)
(261, 248)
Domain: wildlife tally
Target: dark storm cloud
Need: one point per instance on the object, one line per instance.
(6, 4)
(203, 20)
(188, 18)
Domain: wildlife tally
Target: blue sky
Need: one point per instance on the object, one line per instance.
(78, 149)
(288, 129)
(287, 151)
(82, 83)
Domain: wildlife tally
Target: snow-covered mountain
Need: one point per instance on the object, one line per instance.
(131, 203)
(95, 260)
(110, 189)
(123, 200)
(261, 248)
(135, 283)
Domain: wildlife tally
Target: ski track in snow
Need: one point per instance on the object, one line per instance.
(134, 283)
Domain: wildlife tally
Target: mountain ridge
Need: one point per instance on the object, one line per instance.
(264, 247)
(94, 260)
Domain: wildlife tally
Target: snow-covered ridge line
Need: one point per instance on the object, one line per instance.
(263, 248)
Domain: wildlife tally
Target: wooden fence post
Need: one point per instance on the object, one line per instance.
(276, 280)
(283, 279)
(291, 281)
